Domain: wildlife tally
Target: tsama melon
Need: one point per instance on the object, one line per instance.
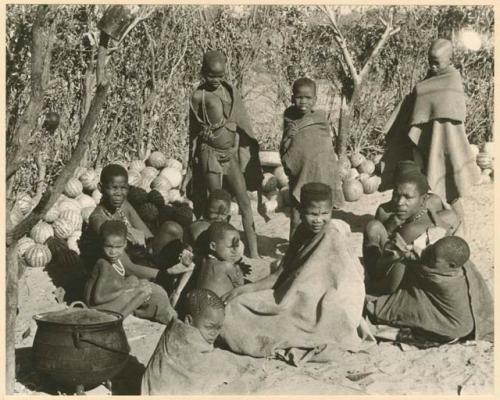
(357, 159)
(24, 203)
(149, 172)
(41, 232)
(85, 201)
(89, 180)
(489, 147)
(484, 160)
(279, 173)
(97, 196)
(134, 177)
(161, 183)
(173, 163)
(24, 244)
(73, 217)
(371, 184)
(352, 174)
(137, 165)
(63, 228)
(367, 167)
(73, 188)
(157, 160)
(38, 256)
(146, 183)
(175, 195)
(68, 204)
(174, 176)
(270, 158)
(474, 148)
(353, 189)
(51, 215)
(363, 177)
(79, 171)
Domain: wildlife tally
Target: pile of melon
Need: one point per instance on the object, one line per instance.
(158, 178)
(485, 159)
(358, 176)
(275, 184)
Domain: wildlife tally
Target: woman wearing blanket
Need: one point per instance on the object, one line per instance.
(312, 303)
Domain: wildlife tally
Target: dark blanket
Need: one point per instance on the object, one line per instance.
(450, 304)
(248, 151)
(307, 152)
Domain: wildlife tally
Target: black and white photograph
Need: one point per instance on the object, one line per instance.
(249, 199)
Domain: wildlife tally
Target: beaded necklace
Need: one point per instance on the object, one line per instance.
(119, 268)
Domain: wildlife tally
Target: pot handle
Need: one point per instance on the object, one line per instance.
(78, 303)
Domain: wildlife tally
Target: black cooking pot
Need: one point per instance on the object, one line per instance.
(80, 347)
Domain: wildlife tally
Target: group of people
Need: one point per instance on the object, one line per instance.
(416, 272)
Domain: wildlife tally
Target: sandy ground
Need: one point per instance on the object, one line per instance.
(385, 369)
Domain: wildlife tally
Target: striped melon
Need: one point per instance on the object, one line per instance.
(270, 158)
(73, 188)
(173, 163)
(97, 196)
(484, 160)
(352, 174)
(149, 172)
(489, 147)
(41, 232)
(134, 177)
(51, 215)
(174, 195)
(89, 180)
(63, 228)
(68, 204)
(137, 165)
(38, 256)
(79, 171)
(157, 160)
(146, 183)
(161, 183)
(86, 213)
(73, 217)
(85, 201)
(24, 244)
(474, 148)
(363, 177)
(174, 176)
(121, 163)
(24, 203)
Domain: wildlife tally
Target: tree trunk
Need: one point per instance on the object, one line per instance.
(11, 312)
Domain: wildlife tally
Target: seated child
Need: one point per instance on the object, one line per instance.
(219, 270)
(218, 209)
(444, 298)
(114, 206)
(110, 286)
(184, 361)
(306, 148)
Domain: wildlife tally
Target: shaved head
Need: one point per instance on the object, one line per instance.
(440, 54)
(213, 60)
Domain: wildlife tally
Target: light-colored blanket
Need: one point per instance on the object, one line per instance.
(184, 363)
(315, 305)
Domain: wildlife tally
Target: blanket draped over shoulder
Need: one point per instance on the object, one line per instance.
(316, 301)
(184, 363)
(428, 127)
(450, 304)
(247, 153)
(307, 152)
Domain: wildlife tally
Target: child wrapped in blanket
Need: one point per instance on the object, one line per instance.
(111, 287)
(443, 299)
(185, 361)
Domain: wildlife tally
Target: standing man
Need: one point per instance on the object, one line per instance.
(222, 146)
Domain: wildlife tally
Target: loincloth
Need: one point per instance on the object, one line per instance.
(216, 161)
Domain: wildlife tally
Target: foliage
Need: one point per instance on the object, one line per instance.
(156, 67)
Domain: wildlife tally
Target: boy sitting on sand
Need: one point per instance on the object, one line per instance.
(114, 206)
(219, 270)
(185, 361)
(443, 299)
(110, 287)
(306, 148)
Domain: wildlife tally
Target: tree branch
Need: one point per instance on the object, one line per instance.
(389, 31)
(340, 40)
(41, 50)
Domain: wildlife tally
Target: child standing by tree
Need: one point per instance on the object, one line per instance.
(222, 144)
(306, 150)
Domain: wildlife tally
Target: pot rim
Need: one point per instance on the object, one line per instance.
(119, 320)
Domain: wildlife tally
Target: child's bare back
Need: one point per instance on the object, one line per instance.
(219, 276)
